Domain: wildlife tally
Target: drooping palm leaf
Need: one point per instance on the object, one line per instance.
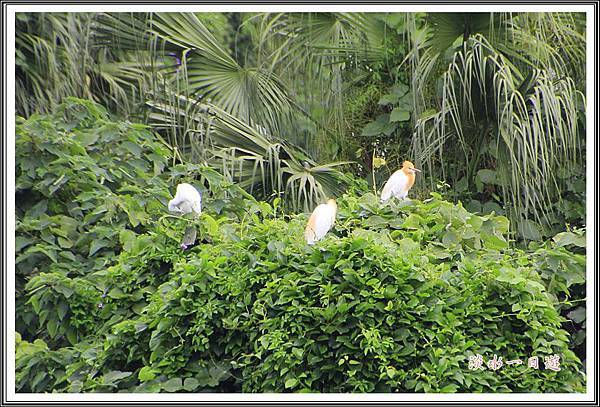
(69, 54)
(532, 118)
(252, 93)
(317, 52)
(247, 154)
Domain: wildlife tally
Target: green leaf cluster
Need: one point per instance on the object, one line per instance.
(396, 297)
(86, 186)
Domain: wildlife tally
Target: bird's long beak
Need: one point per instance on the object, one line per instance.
(416, 169)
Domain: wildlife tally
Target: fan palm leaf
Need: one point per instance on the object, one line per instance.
(252, 93)
(532, 118)
(248, 155)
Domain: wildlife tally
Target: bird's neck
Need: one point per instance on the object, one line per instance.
(410, 176)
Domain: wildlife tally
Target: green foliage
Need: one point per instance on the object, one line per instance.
(388, 136)
(85, 185)
(158, 67)
(254, 94)
(399, 99)
(395, 298)
(53, 60)
(562, 263)
(505, 101)
(38, 367)
(59, 55)
(249, 157)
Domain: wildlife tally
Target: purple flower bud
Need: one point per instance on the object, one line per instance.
(184, 246)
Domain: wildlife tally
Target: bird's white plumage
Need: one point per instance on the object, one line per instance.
(320, 221)
(396, 186)
(187, 199)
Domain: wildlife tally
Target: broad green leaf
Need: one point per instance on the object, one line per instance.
(578, 315)
(87, 138)
(399, 115)
(97, 244)
(114, 376)
(127, 239)
(289, 383)
(487, 176)
(147, 373)
(190, 384)
(64, 290)
(52, 326)
(374, 128)
(529, 230)
(569, 238)
(172, 385)
(21, 242)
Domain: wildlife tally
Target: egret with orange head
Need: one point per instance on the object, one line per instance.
(320, 221)
(400, 182)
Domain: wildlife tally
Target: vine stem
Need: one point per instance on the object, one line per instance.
(176, 217)
(373, 172)
(570, 301)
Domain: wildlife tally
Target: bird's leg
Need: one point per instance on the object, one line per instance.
(189, 237)
(191, 232)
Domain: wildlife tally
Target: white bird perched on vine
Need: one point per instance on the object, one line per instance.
(187, 200)
(400, 182)
(320, 221)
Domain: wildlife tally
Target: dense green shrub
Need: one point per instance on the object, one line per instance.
(397, 297)
(84, 184)
(80, 179)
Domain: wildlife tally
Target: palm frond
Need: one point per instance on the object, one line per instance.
(246, 153)
(534, 124)
(252, 93)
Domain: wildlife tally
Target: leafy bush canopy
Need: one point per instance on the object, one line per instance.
(395, 298)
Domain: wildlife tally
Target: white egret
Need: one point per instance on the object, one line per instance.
(187, 200)
(320, 221)
(400, 182)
